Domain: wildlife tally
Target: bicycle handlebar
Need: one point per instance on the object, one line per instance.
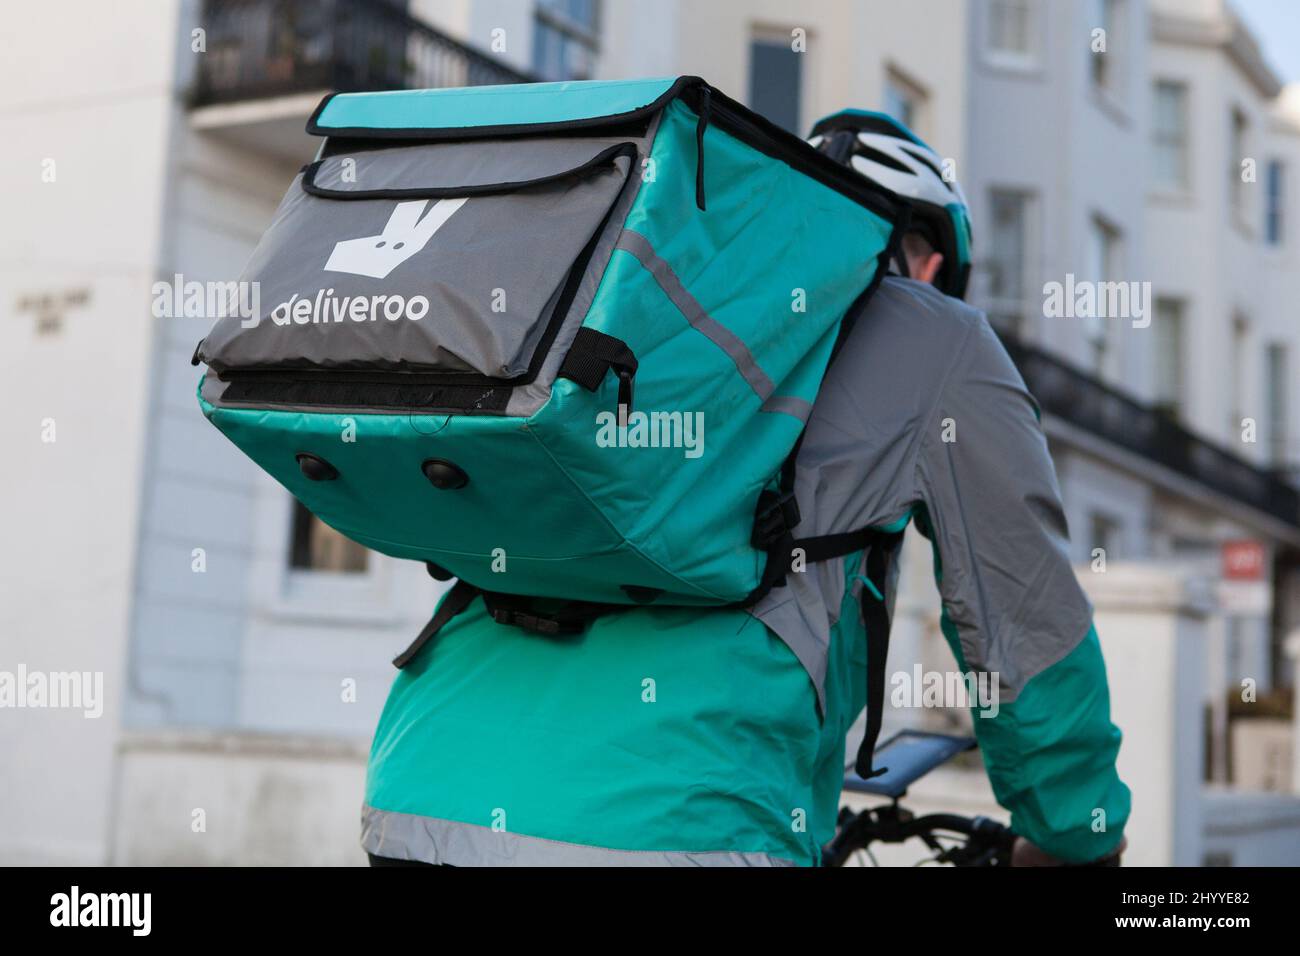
(988, 843)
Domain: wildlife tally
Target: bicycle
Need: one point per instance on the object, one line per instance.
(955, 840)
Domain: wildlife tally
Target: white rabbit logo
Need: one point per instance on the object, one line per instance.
(404, 235)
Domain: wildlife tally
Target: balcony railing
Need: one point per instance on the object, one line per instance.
(263, 48)
(1081, 400)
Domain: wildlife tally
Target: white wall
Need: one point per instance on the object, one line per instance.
(98, 109)
(246, 644)
(219, 800)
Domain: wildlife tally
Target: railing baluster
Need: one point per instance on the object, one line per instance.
(273, 47)
(1083, 401)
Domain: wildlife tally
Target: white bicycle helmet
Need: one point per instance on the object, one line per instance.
(889, 154)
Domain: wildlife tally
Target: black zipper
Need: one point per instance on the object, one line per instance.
(706, 108)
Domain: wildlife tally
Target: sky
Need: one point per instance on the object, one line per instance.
(1276, 26)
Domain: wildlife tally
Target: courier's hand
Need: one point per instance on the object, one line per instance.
(1024, 853)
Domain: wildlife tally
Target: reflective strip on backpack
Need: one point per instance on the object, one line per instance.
(406, 836)
(717, 333)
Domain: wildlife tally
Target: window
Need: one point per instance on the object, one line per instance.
(904, 100)
(315, 546)
(1010, 32)
(1103, 532)
(565, 39)
(1237, 152)
(1169, 356)
(1237, 379)
(1277, 382)
(1103, 263)
(776, 79)
(1274, 197)
(1169, 126)
(1105, 65)
(1005, 268)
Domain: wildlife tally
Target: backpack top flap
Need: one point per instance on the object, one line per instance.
(486, 111)
(461, 275)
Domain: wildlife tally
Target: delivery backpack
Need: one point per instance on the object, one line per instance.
(557, 340)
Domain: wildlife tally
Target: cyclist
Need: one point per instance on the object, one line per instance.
(680, 736)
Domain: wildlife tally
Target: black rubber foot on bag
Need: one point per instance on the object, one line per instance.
(640, 594)
(316, 469)
(444, 475)
(438, 572)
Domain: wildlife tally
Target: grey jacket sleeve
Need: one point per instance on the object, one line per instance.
(988, 499)
(985, 476)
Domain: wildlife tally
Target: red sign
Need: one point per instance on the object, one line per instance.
(1243, 561)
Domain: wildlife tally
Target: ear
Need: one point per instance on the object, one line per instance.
(929, 268)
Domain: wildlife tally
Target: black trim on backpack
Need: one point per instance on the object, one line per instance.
(394, 390)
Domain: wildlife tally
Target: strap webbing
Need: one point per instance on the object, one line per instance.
(823, 547)
(592, 354)
(457, 599)
(875, 617)
(569, 617)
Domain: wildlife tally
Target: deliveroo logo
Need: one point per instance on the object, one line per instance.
(408, 230)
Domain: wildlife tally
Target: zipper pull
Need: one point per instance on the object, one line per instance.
(625, 376)
(706, 107)
(194, 359)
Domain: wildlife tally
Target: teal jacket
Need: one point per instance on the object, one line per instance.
(693, 737)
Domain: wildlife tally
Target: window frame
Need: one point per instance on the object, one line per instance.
(1113, 92)
(280, 593)
(1174, 405)
(546, 16)
(1239, 132)
(770, 35)
(1277, 398)
(1027, 61)
(1161, 139)
(914, 92)
(1275, 203)
(1099, 331)
(1017, 309)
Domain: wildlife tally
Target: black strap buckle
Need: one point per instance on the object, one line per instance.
(536, 623)
(776, 517)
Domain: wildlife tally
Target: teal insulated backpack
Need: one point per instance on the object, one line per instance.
(557, 340)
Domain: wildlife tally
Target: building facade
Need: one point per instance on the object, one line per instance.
(245, 646)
